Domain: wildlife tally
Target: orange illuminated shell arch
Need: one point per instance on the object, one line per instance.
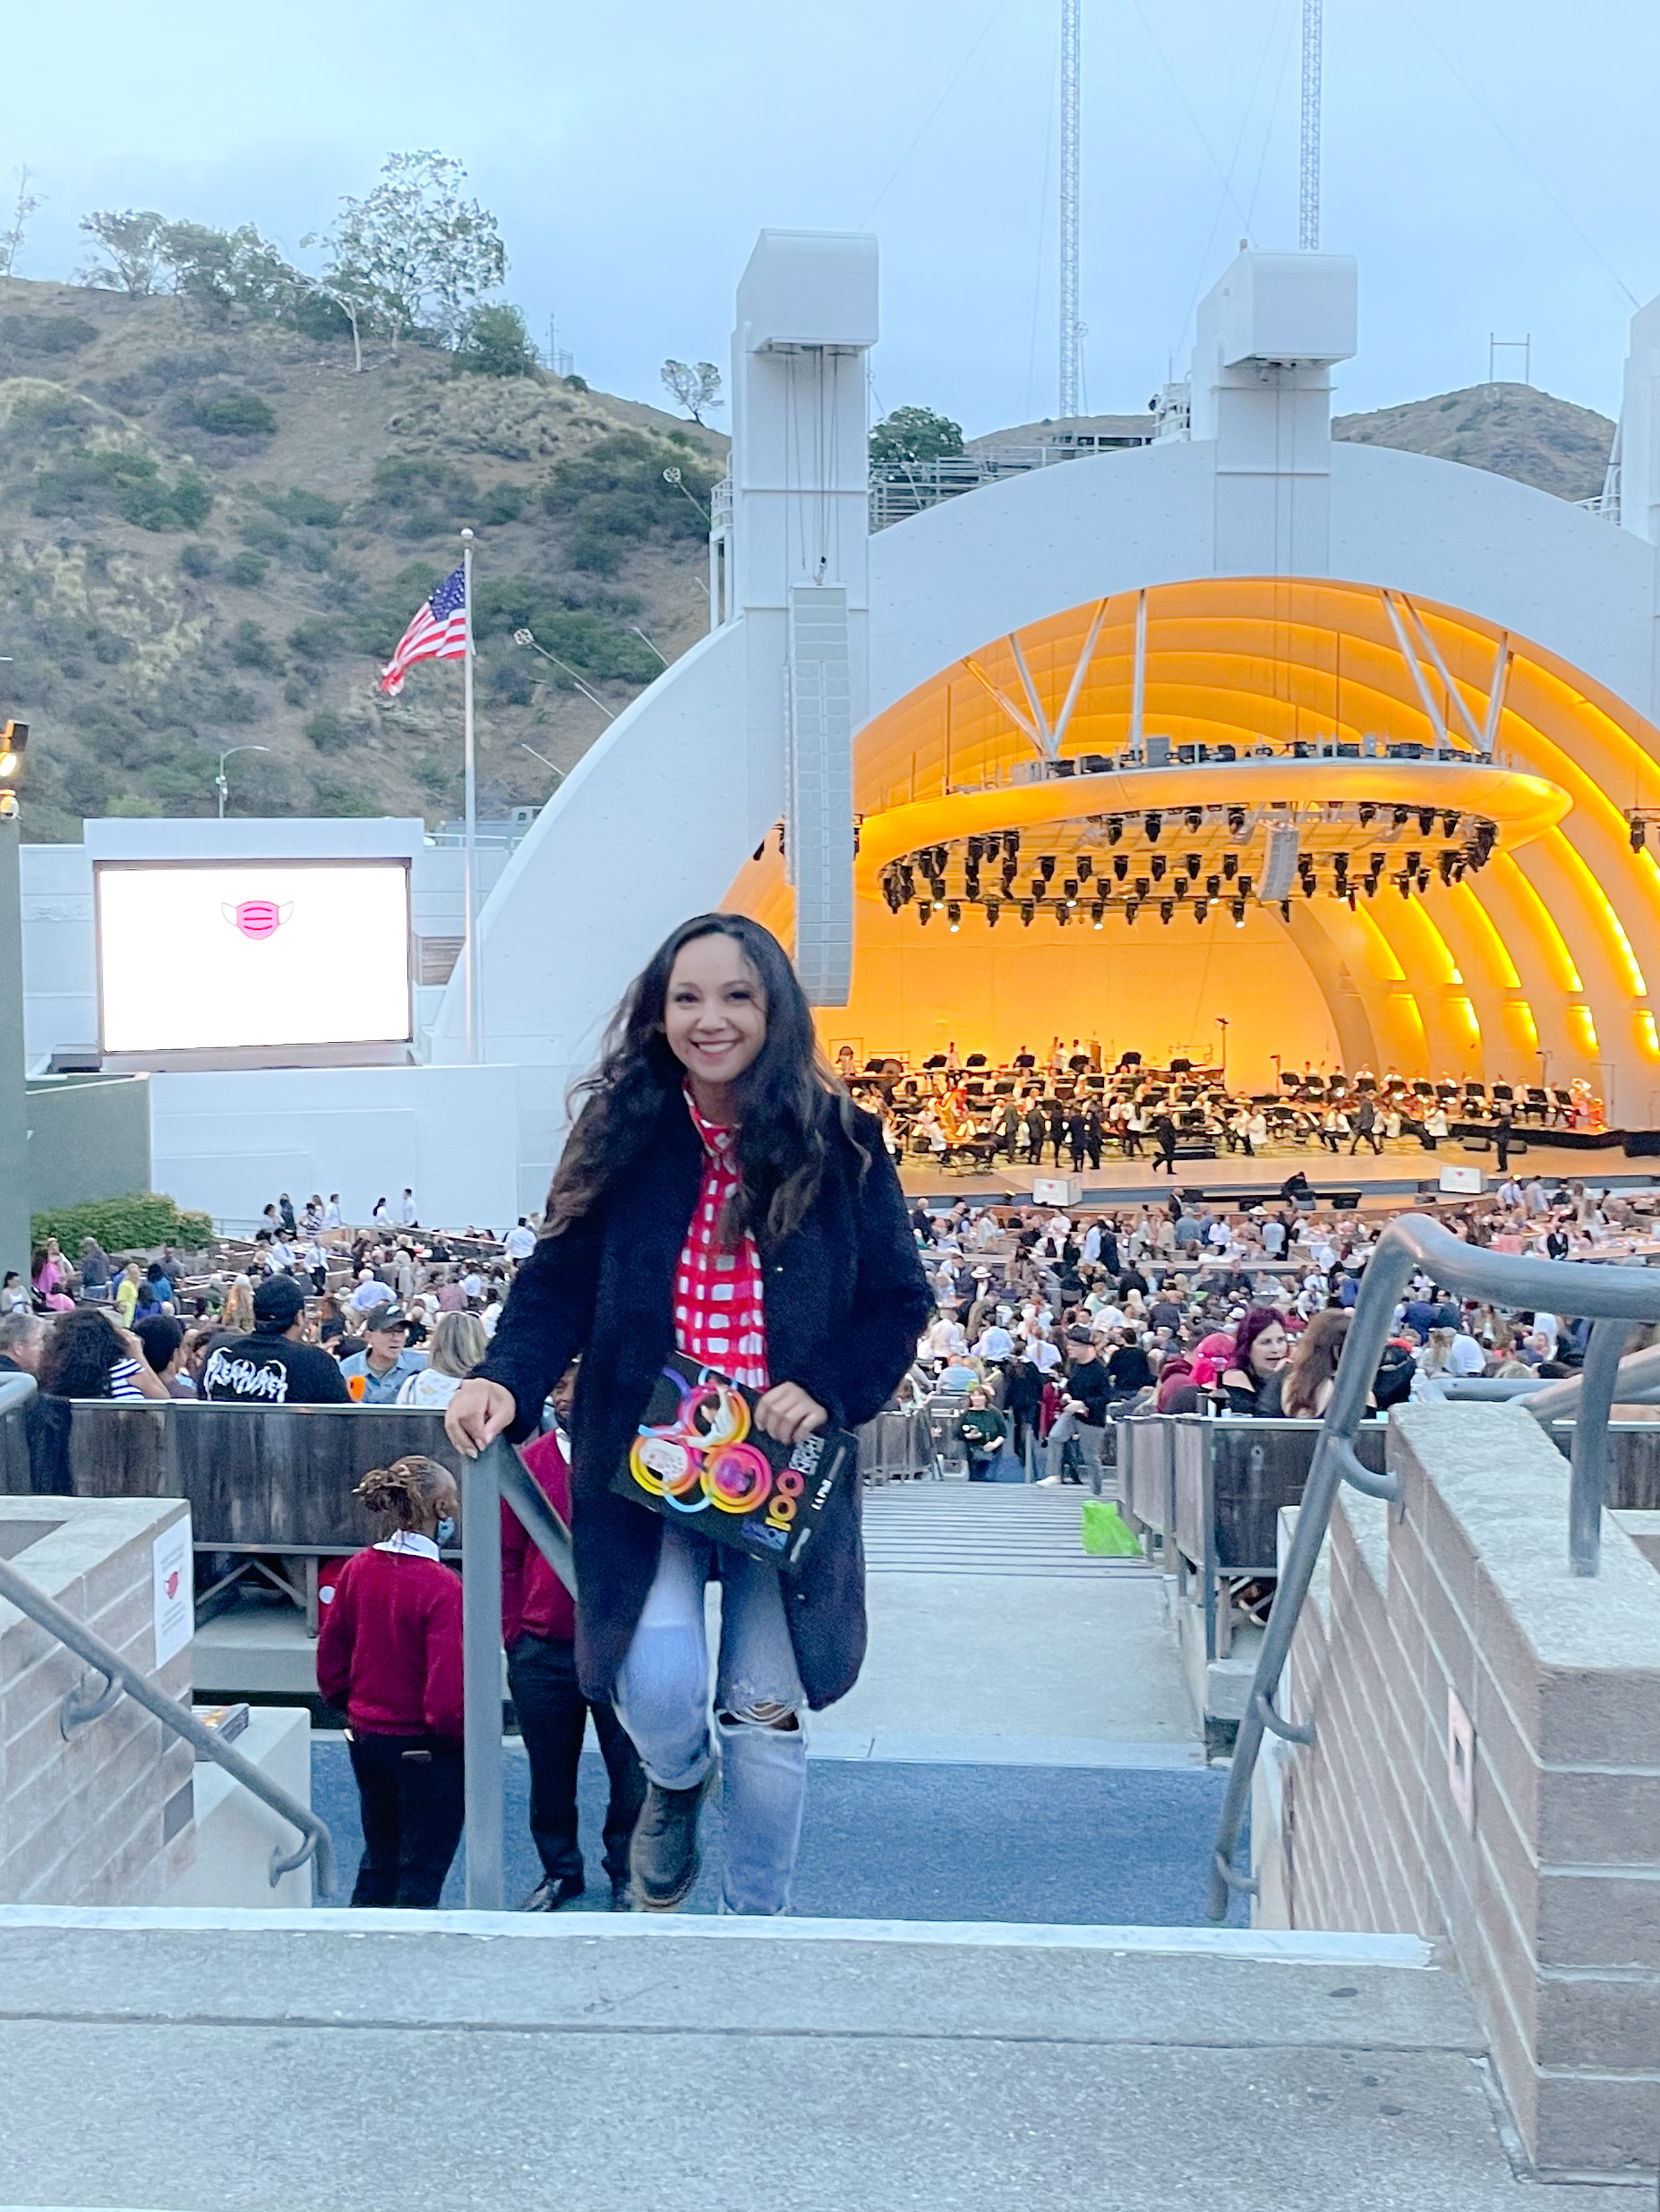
(1536, 966)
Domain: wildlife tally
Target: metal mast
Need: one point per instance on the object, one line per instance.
(1308, 199)
(1071, 331)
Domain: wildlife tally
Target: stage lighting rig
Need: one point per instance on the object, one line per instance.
(1194, 817)
(1086, 867)
(1367, 814)
(1153, 824)
(1063, 912)
(1046, 864)
(1131, 907)
(1244, 886)
(1201, 908)
(1114, 828)
(1142, 886)
(1027, 910)
(1449, 826)
(1236, 908)
(1097, 911)
(1236, 821)
(1121, 865)
(1426, 821)
(1639, 822)
(992, 911)
(1069, 887)
(1157, 863)
(1212, 886)
(953, 915)
(1166, 907)
(1190, 861)
(925, 908)
(1230, 866)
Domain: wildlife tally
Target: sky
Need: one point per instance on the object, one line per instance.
(1490, 173)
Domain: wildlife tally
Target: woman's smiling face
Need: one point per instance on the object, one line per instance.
(715, 1014)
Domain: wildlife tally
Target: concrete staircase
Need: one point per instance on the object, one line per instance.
(190, 2061)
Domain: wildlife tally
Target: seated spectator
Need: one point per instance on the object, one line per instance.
(982, 1429)
(458, 1345)
(375, 1375)
(273, 1366)
(88, 1357)
(95, 1268)
(22, 1341)
(163, 1339)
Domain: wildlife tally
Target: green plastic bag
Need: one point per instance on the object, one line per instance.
(1105, 1536)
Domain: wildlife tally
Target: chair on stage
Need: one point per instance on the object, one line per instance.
(975, 1060)
(935, 1061)
(1538, 1103)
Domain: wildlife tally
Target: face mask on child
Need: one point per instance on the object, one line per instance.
(445, 1532)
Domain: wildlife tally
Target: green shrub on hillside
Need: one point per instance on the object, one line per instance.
(248, 570)
(251, 648)
(48, 334)
(616, 497)
(198, 559)
(235, 415)
(494, 342)
(315, 639)
(587, 638)
(309, 510)
(142, 1223)
(329, 733)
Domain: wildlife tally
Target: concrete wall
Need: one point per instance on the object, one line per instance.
(105, 1818)
(1546, 1881)
(89, 1138)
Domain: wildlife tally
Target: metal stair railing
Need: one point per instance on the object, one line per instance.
(1611, 1298)
(123, 1680)
(497, 1475)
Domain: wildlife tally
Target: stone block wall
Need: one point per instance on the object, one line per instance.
(1533, 1850)
(106, 1816)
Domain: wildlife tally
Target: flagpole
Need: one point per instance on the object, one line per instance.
(470, 777)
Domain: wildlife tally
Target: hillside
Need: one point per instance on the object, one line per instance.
(1511, 429)
(213, 535)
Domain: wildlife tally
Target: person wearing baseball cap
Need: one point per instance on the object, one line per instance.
(272, 1367)
(375, 1375)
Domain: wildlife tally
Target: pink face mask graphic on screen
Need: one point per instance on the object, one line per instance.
(257, 918)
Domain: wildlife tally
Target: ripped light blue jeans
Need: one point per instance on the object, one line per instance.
(663, 1700)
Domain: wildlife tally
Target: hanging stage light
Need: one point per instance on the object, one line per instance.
(1201, 908)
(1194, 817)
(1236, 821)
(1414, 861)
(1443, 862)
(1153, 823)
(1046, 864)
(1212, 884)
(937, 885)
(1369, 885)
(1309, 887)
(1178, 884)
(1339, 861)
(1191, 862)
(1403, 884)
(1423, 880)
(1063, 913)
(1403, 816)
(1486, 834)
(1086, 867)
(1157, 863)
(1098, 912)
(992, 911)
(1351, 901)
(1244, 886)
(953, 915)
(976, 851)
(1449, 826)
(1069, 886)
(1027, 910)
(1426, 821)
(1379, 862)
(1636, 830)
(924, 909)
(1037, 886)
(1010, 844)
(907, 884)
(1230, 865)
(1237, 910)
(1121, 865)
(1131, 907)
(1166, 907)
(1367, 812)
(1142, 886)
(1114, 828)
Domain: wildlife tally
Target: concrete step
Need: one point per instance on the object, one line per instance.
(450, 2060)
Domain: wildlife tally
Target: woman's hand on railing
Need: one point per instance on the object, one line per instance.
(478, 1413)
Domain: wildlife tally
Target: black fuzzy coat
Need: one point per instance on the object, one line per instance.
(845, 1301)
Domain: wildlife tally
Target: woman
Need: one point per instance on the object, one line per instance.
(458, 1344)
(238, 1313)
(981, 1429)
(49, 1278)
(87, 1356)
(714, 1152)
(1261, 1350)
(1306, 1384)
(1433, 1362)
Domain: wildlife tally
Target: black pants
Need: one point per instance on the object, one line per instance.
(1366, 1136)
(552, 1713)
(1077, 1159)
(1503, 1144)
(412, 1800)
(1023, 1423)
(1095, 1152)
(1167, 1160)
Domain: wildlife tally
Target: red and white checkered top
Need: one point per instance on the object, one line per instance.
(720, 1315)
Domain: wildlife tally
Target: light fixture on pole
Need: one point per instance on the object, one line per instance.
(219, 782)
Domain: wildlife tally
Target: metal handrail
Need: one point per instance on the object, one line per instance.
(1611, 1298)
(498, 1474)
(120, 1677)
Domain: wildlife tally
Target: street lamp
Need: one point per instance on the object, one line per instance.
(219, 782)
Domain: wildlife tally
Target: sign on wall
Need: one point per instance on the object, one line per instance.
(213, 956)
(173, 1569)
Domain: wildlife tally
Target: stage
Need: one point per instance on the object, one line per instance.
(1395, 1178)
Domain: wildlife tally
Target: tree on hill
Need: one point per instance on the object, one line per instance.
(26, 204)
(414, 252)
(915, 434)
(696, 386)
(134, 239)
(494, 342)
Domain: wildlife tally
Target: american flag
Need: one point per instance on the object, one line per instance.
(437, 632)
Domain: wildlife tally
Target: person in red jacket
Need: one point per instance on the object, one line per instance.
(388, 1652)
(538, 1627)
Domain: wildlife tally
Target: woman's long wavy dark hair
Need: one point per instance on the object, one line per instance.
(80, 1352)
(789, 1094)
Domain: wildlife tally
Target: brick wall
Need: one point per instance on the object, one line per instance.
(1545, 1880)
(104, 1817)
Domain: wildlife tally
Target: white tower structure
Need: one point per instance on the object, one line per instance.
(1071, 97)
(1308, 194)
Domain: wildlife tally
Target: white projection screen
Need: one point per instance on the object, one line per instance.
(238, 954)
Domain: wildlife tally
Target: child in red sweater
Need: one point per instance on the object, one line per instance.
(538, 1624)
(388, 1651)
